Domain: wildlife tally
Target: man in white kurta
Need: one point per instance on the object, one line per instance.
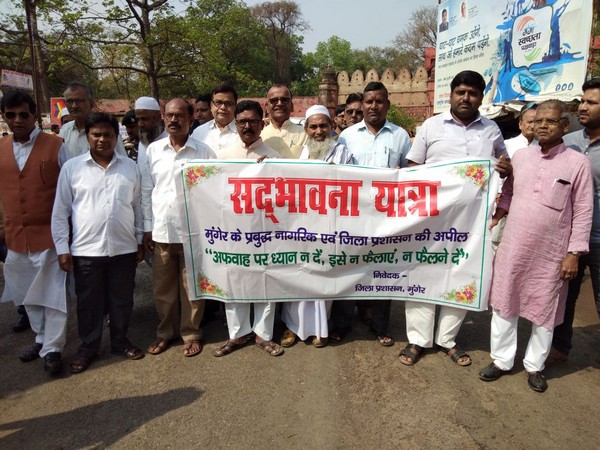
(309, 318)
(30, 162)
(549, 202)
(249, 123)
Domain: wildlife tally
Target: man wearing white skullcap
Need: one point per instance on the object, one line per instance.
(320, 143)
(150, 125)
(309, 318)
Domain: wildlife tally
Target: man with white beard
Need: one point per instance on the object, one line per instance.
(320, 143)
(309, 318)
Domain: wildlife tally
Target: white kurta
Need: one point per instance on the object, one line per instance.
(35, 279)
(307, 318)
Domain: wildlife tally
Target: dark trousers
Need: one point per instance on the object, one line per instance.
(563, 334)
(103, 284)
(342, 312)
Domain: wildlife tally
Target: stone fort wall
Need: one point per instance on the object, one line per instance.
(412, 93)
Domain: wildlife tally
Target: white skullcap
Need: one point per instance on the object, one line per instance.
(147, 103)
(317, 109)
(64, 112)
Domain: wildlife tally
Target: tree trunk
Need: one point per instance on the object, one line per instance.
(40, 79)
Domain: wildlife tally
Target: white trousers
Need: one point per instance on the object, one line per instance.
(420, 323)
(49, 326)
(238, 319)
(503, 342)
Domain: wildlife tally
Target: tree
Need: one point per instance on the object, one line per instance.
(420, 34)
(400, 118)
(281, 20)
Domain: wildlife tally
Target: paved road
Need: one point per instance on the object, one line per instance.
(351, 396)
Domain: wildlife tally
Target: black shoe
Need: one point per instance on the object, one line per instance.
(32, 354)
(53, 363)
(537, 381)
(491, 373)
(22, 324)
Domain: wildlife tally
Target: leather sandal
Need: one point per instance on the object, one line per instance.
(158, 346)
(457, 355)
(288, 338)
(411, 356)
(188, 346)
(80, 364)
(230, 346)
(270, 347)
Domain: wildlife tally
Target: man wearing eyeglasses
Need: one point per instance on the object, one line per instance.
(80, 102)
(30, 163)
(549, 203)
(220, 133)
(178, 315)
(249, 123)
(285, 137)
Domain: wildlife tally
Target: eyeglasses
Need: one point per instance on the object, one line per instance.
(549, 122)
(252, 122)
(11, 115)
(176, 116)
(77, 101)
(351, 112)
(219, 103)
(283, 100)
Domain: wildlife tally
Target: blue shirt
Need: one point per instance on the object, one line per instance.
(387, 148)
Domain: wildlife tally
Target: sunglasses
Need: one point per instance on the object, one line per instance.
(11, 115)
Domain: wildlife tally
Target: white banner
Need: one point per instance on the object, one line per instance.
(525, 49)
(288, 231)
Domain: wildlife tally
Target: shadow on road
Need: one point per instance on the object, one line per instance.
(98, 425)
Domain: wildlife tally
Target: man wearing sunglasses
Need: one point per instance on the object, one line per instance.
(285, 137)
(30, 163)
(354, 109)
(220, 133)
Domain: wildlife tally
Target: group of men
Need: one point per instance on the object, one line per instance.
(110, 213)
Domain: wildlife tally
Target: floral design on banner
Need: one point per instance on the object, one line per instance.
(197, 174)
(475, 173)
(206, 286)
(466, 294)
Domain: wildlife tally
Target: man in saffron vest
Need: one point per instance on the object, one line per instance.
(30, 162)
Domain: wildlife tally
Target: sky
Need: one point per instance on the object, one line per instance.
(364, 23)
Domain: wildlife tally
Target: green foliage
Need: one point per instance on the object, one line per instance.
(128, 48)
(400, 118)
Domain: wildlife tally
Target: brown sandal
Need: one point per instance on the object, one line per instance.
(188, 348)
(158, 346)
(80, 364)
(230, 346)
(270, 347)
